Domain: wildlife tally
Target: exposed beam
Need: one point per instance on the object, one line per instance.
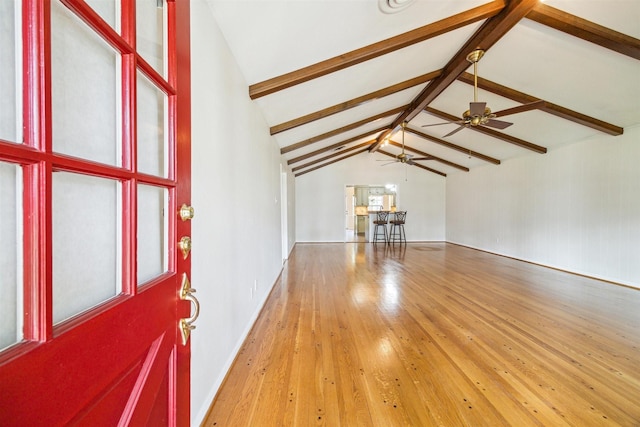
(549, 107)
(329, 148)
(342, 130)
(487, 35)
(346, 141)
(423, 154)
(485, 130)
(358, 149)
(343, 106)
(415, 164)
(330, 156)
(375, 50)
(586, 30)
(334, 161)
(455, 147)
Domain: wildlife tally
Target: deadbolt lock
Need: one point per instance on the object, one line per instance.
(185, 246)
(186, 212)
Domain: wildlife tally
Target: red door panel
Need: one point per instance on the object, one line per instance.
(99, 372)
(123, 362)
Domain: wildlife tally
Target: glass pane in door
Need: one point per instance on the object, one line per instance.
(86, 242)
(11, 312)
(85, 80)
(152, 232)
(109, 10)
(10, 78)
(150, 32)
(151, 135)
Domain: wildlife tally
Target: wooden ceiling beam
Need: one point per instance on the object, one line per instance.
(355, 150)
(487, 35)
(415, 164)
(585, 30)
(487, 131)
(343, 129)
(375, 50)
(343, 106)
(348, 150)
(549, 107)
(346, 141)
(423, 154)
(333, 147)
(455, 147)
(362, 150)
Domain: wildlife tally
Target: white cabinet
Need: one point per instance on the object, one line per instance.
(362, 196)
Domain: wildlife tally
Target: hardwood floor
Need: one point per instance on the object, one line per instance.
(434, 335)
(351, 237)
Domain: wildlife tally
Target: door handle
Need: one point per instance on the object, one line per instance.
(187, 323)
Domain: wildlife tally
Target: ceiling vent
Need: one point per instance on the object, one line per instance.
(394, 6)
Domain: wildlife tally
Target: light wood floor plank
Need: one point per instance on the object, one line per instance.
(434, 334)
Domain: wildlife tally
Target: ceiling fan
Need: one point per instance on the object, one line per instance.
(478, 113)
(404, 157)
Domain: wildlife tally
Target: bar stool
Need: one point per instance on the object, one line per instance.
(397, 228)
(381, 220)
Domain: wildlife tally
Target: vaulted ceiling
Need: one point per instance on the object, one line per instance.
(336, 79)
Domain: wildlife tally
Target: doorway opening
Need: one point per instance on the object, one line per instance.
(361, 201)
(284, 221)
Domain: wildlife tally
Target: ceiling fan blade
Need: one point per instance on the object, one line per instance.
(410, 162)
(423, 158)
(477, 108)
(389, 162)
(498, 124)
(458, 129)
(521, 108)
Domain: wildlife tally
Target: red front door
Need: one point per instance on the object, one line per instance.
(94, 168)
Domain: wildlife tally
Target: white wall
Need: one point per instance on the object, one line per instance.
(236, 196)
(320, 207)
(576, 208)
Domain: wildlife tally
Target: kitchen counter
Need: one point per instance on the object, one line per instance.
(365, 221)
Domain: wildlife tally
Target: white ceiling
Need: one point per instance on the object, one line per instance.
(272, 37)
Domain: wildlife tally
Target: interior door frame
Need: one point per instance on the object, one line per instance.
(182, 66)
(284, 215)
